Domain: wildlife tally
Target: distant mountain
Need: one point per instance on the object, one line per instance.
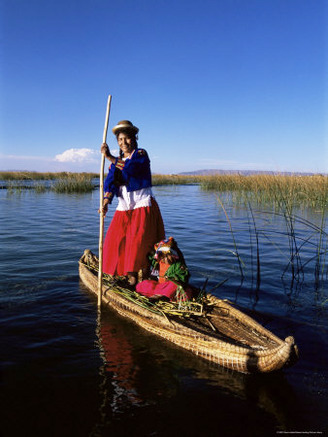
(213, 172)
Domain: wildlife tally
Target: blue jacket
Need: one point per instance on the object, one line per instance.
(134, 172)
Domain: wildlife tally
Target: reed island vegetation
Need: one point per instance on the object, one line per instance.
(262, 188)
(40, 176)
(62, 182)
(311, 190)
(277, 194)
(269, 188)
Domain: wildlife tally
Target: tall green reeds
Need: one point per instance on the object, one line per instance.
(175, 179)
(313, 238)
(63, 182)
(264, 188)
(235, 252)
(293, 189)
(36, 176)
(74, 183)
(282, 194)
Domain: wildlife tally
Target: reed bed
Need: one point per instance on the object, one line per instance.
(277, 189)
(281, 190)
(36, 176)
(63, 182)
(175, 179)
(307, 249)
(74, 183)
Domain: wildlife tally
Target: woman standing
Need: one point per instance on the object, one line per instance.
(137, 223)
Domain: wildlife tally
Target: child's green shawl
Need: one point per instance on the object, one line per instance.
(177, 272)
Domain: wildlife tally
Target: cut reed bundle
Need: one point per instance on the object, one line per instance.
(182, 307)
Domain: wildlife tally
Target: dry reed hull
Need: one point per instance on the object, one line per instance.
(239, 343)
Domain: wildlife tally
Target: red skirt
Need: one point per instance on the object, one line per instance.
(130, 237)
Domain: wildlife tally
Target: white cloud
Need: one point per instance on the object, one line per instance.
(78, 155)
(73, 159)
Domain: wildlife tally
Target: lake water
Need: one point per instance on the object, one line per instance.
(69, 372)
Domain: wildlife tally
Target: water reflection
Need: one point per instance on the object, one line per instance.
(147, 385)
(143, 376)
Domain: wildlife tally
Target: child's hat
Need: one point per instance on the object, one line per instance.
(166, 247)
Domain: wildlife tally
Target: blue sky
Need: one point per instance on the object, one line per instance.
(225, 84)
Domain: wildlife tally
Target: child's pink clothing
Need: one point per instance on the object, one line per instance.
(151, 288)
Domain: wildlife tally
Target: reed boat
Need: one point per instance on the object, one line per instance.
(209, 327)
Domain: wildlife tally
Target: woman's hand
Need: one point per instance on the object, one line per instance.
(104, 208)
(105, 150)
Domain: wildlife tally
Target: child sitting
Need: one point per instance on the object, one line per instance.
(171, 272)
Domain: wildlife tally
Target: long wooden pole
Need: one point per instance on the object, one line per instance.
(101, 228)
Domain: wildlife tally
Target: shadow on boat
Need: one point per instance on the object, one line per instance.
(143, 375)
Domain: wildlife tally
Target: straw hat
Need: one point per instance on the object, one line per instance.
(126, 125)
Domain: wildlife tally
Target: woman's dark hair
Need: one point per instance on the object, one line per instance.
(131, 135)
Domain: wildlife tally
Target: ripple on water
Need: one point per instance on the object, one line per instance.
(53, 342)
